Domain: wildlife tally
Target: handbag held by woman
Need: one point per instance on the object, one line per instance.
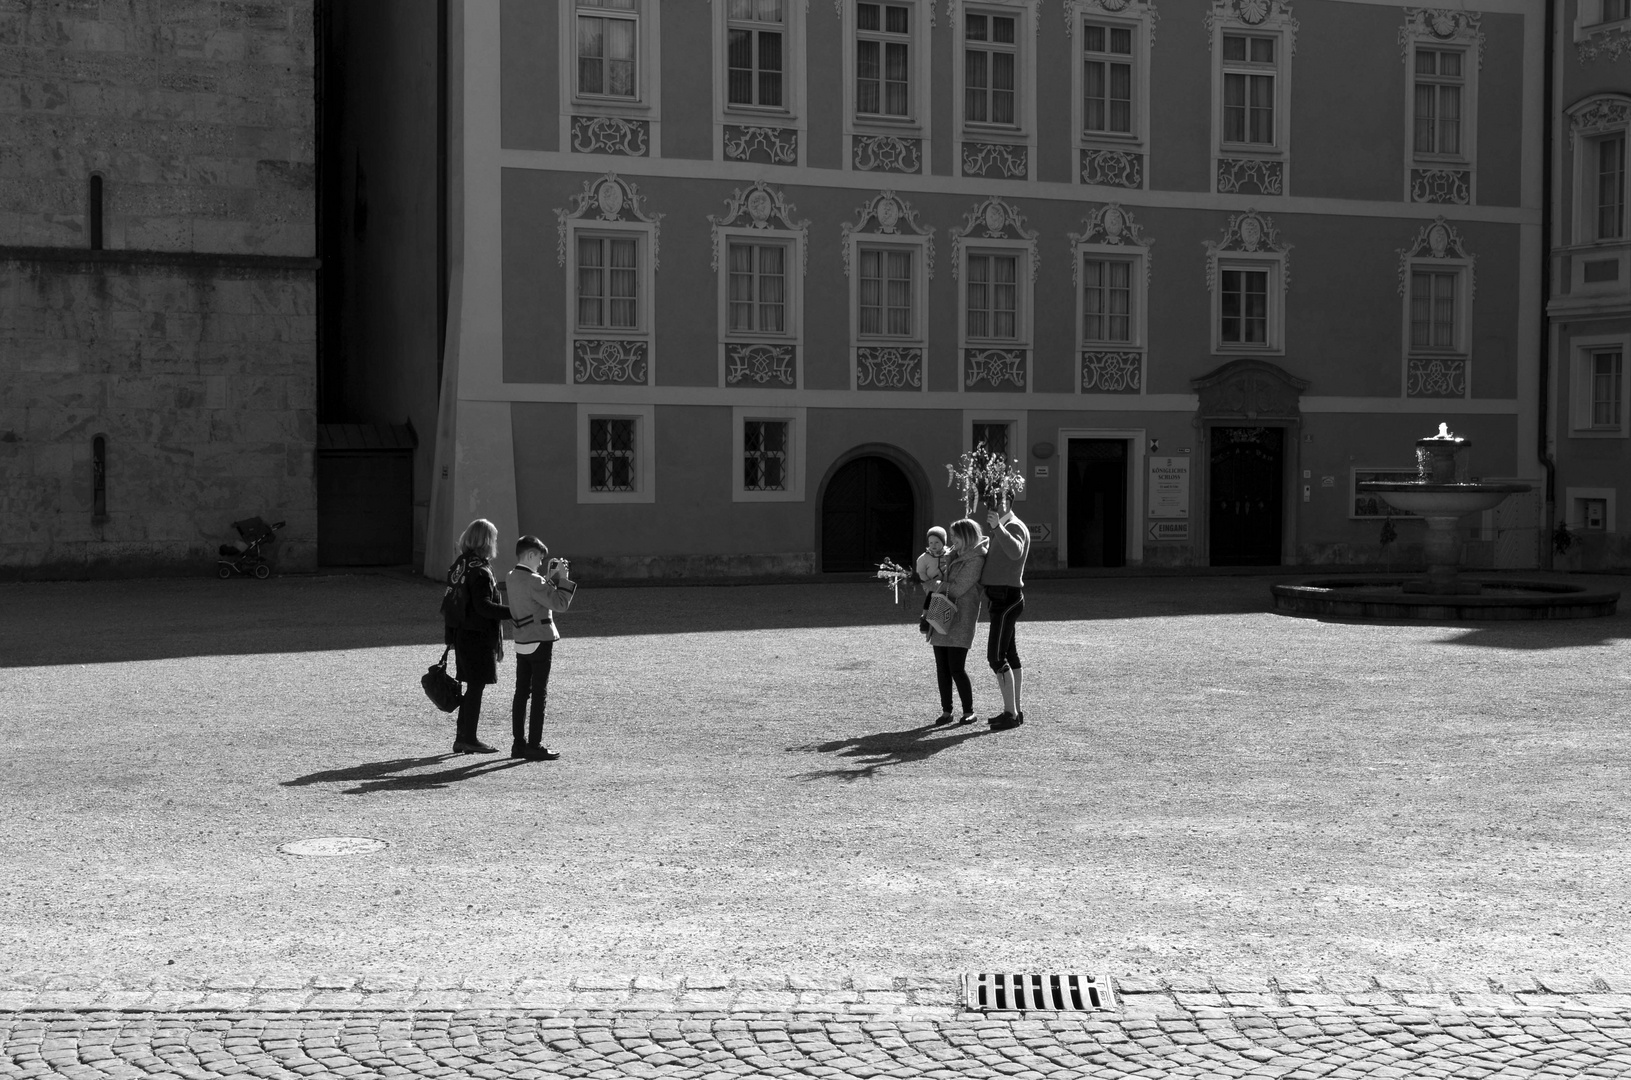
(442, 688)
(942, 612)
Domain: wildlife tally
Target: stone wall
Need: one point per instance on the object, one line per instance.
(189, 341)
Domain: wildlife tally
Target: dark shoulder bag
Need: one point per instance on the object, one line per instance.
(442, 688)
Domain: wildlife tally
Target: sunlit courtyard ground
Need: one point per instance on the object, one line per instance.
(748, 784)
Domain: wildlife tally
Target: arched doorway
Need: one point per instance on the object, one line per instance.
(867, 515)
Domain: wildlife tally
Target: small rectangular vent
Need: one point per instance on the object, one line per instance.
(1003, 992)
(1597, 270)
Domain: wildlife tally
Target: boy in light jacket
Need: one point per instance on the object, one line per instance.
(534, 598)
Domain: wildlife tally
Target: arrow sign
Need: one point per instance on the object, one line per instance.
(1041, 532)
(1169, 530)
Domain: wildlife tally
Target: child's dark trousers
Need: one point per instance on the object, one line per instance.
(531, 681)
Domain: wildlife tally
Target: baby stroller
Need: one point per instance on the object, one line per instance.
(245, 556)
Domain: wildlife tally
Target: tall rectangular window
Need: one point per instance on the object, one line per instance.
(764, 455)
(990, 59)
(993, 296)
(1107, 79)
(1107, 300)
(993, 436)
(608, 283)
(1432, 309)
(1439, 86)
(1606, 379)
(1248, 89)
(753, 49)
(611, 454)
(608, 46)
(757, 300)
(1615, 10)
(886, 292)
(883, 59)
(1610, 193)
(1243, 307)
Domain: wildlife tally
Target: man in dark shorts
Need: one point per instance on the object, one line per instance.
(1004, 581)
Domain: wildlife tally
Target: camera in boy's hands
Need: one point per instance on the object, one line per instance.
(558, 568)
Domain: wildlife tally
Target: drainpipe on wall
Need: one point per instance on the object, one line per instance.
(1548, 134)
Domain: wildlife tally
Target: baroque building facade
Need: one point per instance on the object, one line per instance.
(157, 282)
(731, 282)
(1589, 306)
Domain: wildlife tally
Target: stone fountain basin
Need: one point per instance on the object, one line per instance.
(1441, 500)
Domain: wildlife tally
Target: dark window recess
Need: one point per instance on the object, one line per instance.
(99, 478)
(96, 213)
(1601, 270)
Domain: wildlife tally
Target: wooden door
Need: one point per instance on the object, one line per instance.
(1246, 497)
(867, 515)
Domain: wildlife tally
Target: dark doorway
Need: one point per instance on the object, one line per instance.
(1247, 489)
(365, 494)
(867, 516)
(1096, 502)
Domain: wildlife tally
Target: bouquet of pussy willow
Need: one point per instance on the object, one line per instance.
(981, 474)
(893, 575)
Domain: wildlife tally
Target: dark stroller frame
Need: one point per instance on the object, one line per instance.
(249, 559)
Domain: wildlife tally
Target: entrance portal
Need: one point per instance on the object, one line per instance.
(1247, 485)
(1096, 502)
(867, 516)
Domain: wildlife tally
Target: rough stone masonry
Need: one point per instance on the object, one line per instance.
(157, 282)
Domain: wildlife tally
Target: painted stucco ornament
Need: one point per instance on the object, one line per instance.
(1114, 222)
(994, 217)
(1438, 241)
(759, 206)
(888, 214)
(1253, 11)
(609, 197)
(1251, 233)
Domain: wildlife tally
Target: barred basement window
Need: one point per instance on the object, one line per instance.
(611, 455)
(764, 455)
(99, 478)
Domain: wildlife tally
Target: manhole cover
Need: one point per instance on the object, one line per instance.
(333, 845)
(1030, 992)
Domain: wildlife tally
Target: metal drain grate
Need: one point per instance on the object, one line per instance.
(1003, 992)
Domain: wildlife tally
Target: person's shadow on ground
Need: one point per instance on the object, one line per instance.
(396, 774)
(873, 753)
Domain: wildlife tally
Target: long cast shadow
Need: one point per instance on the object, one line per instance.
(394, 775)
(875, 752)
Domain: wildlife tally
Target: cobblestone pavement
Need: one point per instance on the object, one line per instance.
(1202, 1027)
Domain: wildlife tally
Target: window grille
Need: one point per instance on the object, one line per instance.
(1606, 369)
(607, 48)
(883, 59)
(1107, 299)
(611, 454)
(1244, 307)
(608, 283)
(1248, 94)
(993, 296)
(886, 292)
(1438, 101)
(754, 53)
(989, 61)
(764, 455)
(758, 288)
(1107, 79)
(994, 437)
(1432, 309)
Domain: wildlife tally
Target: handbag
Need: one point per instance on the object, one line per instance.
(942, 612)
(442, 688)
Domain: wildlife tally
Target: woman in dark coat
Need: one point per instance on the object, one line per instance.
(476, 640)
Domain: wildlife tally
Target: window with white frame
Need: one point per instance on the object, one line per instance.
(1614, 10)
(1244, 292)
(768, 449)
(887, 288)
(1605, 183)
(608, 49)
(1435, 310)
(1248, 272)
(884, 47)
(1598, 376)
(608, 282)
(1250, 74)
(1109, 291)
(991, 63)
(756, 54)
(991, 299)
(1107, 78)
(756, 287)
(615, 454)
(1438, 94)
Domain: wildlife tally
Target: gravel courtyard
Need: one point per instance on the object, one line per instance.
(748, 785)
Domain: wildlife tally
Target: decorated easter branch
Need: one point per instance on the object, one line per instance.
(894, 576)
(980, 474)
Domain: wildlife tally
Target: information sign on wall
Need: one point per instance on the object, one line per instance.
(1169, 487)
